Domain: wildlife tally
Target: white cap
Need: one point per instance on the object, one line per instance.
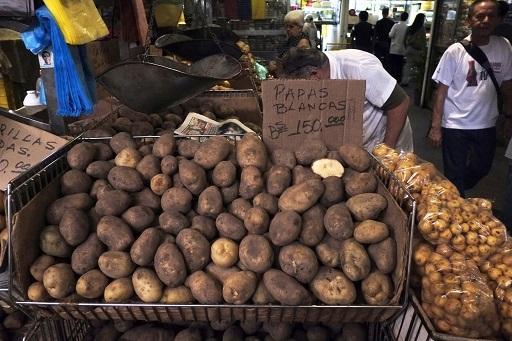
(295, 17)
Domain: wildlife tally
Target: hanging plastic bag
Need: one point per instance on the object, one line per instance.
(168, 12)
(79, 21)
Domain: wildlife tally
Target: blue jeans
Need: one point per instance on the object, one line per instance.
(507, 205)
(467, 155)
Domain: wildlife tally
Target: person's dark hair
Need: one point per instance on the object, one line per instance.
(404, 16)
(418, 23)
(385, 12)
(476, 2)
(503, 8)
(363, 16)
(297, 62)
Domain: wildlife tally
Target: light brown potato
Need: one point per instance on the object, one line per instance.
(42, 263)
(118, 290)
(80, 201)
(178, 295)
(212, 151)
(367, 206)
(255, 253)
(239, 287)
(224, 174)
(224, 252)
(383, 255)
(139, 217)
(256, 220)
(377, 289)
(284, 288)
(37, 292)
(188, 148)
(355, 157)
(92, 284)
(144, 248)
(120, 141)
(170, 265)
(251, 182)
(99, 169)
(355, 261)
(204, 288)
(262, 295)
(266, 201)
(278, 179)
(334, 192)
(371, 232)
(113, 203)
(251, 151)
(52, 243)
(164, 145)
(160, 183)
(179, 199)
(75, 181)
(283, 157)
(103, 151)
(169, 165)
(313, 230)
(239, 208)
(285, 227)
(59, 280)
(338, 222)
(81, 155)
(74, 226)
(173, 222)
(192, 176)
(298, 261)
(146, 198)
(116, 264)
(310, 150)
(230, 226)
(195, 249)
(114, 233)
(85, 256)
(301, 174)
(301, 197)
(128, 157)
(332, 287)
(204, 225)
(220, 273)
(146, 285)
(230, 193)
(209, 203)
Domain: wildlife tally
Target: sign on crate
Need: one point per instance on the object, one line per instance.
(296, 109)
(21, 147)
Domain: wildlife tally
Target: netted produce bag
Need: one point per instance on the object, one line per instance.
(455, 295)
(386, 155)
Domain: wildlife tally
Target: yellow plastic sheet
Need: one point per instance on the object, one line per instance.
(258, 9)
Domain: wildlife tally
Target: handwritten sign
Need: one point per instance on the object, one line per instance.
(294, 110)
(21, 147)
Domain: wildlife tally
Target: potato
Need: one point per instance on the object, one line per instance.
(141, 128)
(164, 145)
(370, 232)
(42, 263)
(148, 166)
(251, 151)
(173, 222)
(120, 141)
(75, 181)
(328, 168)
(92, 284)
(146, 198)
(361, 183)
(37, 292)
(114, 233)
(239, 287)
(267, 202)
(113, 202)
(332, 287)
(128, 157)
(192, 176)
(188, 148)
(224, 174)
(301, 197)
(103, 151)
(284, 288)
(230, 226)
(377, 289)
(80, 201)
(224, 252)
(220, 273)
(146, 285)
(74, 226)
(355, 261)
(355, 157)
(99, 169)
(204, 288)
(194, 247)
(283, 157)
(59, 280)
(328, 252)
(230, 193)
(338, 222)
(251, 182)
(169, 165)
(85, 256)
(312, 226)
(160, 183)
(250, 326)
(204, 225)
(52, 243)
(256, 220)
(212, 151)
(119, 290)
(139, 217)
(334, 192)
(278, 330)
(81, 155)
(383, 255)
(179, 199)
(262, 295)
(310, 150)
(178, 295)
(255, 253)
(298, 261)
(123, 124)
(116, 264)
(189, 334)
(285, 227)
(144, 248)
(209, 202)
(14, 320)
(170, 265)
(353, 331)
(301, 174)
(367, 206)
(126, 179)
(278, 179)
(150, 332)
(239, 208)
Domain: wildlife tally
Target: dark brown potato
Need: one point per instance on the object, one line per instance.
(139, 217)
(205, 225)
(230, 226)
(319, 333)
(188, 334)
(298, 261)
(301, 174)
(285, 227)
(220, 273)
(251, 151)
(85, 256)
(333, 154)
(256, 220)
(170, 265)
(144, 248)
(383, 255)
(103, 151)
(250, 326)
(123, 124)
(75, 181)
(338, 222)
(169, 165)
(116, 264)
(204, 288)
(99, 169)
(239, 287)
(177, 199)
(81, 155)
(120, 141)
(192, 176)
(114, 233)
(212, 151)
(355, 157)
(126, 179)
(251, 182)
(239, 208)
(195, 249)
(164, 145)
(148, 167)
(284, 157)
(367, 206)
(262, 295)
(142, 128)
(80, 201)
(188, 148)
(255, 253)
(173, 222)
(74, 226)
(313, 230)
(113, 202)
(99, 186)
(328, 252)
(334, 192)
(278, 179)
(371, 232)
(284, 288)
(146, 198)
(311, 150)
(355, 261)
(353, 331)
(278, 330)
(361, 183)
(42, 263)
(230, 193)
(224, 174)
(266, 201)
(209, 202)
(145, 149)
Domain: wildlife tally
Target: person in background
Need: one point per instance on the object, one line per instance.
(293, 23)
(310, 30)
(382, 40)
(397, 47)
(415, 48)
(465, 106)
(362, 33)
(503, 29)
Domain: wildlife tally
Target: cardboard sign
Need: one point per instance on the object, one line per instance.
(21, 147)
(294, 110)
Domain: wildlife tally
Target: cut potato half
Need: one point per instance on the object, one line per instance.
(328, 167)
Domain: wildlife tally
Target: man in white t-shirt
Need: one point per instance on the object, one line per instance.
(397, 47)
(386, 104)
(466, 102)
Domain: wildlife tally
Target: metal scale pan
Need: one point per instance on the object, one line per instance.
(196, 49)
(155, 84)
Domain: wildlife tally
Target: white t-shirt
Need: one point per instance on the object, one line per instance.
(357, 64)
(471, 102)
(397, 35)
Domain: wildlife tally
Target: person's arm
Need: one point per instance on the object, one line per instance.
(396, 117)
(392, 32)
(434, 134)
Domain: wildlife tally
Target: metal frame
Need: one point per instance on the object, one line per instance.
(22, 189)
(48, 329)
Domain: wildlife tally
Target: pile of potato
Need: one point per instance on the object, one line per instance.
(179, 221)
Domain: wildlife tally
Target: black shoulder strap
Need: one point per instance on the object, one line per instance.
(479, 55)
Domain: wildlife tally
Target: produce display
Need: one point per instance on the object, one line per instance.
(178, 221)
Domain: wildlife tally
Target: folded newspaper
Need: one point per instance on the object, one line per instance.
(196, 124)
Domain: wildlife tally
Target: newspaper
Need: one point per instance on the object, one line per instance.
(196, 124)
